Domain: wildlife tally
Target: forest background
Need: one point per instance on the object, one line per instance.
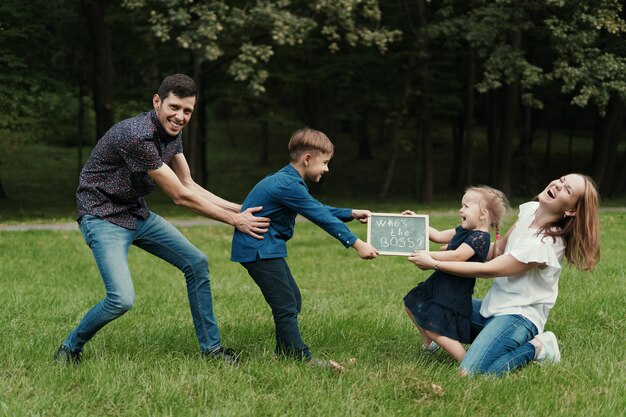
(421, 98)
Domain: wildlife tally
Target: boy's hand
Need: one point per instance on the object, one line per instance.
(365, 250)
(422, 260)
(408, 213)
(251, 225)
(361, 215)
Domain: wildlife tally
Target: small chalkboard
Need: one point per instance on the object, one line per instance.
(397, 234)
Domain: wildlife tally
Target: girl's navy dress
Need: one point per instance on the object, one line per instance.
(443, 303)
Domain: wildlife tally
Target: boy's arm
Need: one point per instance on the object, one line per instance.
(298, 199)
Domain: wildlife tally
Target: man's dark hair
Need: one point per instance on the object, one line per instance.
(180, 85)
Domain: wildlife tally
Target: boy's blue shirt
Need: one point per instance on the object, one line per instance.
(284, 195)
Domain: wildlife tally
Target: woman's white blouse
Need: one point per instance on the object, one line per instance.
(532, 293)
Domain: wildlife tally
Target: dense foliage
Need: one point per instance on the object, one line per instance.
(390, 74)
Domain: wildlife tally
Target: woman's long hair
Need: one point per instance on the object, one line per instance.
(581, 232)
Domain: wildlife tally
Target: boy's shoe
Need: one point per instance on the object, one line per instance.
(226, 354)
(326, 363)
(64, 356)
(551, 352)
(430, 349)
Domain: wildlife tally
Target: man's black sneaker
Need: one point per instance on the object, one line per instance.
(64, 356)
(223, 353)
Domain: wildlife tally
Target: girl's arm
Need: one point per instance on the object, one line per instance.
(434, 235)
(504, 265)
(444, 236)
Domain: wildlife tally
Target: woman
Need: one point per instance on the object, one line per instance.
(563, 221)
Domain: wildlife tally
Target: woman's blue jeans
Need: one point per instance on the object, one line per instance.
(501, 344)
(110, 243)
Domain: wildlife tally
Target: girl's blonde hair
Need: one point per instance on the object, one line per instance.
(307, 140)
(581, 232)
(493, 203)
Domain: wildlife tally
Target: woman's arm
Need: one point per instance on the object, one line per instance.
(504, 265)
(462, 253)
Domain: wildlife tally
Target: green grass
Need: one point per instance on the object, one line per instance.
(146, 363)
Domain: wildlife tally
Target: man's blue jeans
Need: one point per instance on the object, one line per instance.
(501, 343)
(110, 243)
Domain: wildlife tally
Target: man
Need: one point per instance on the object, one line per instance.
(123, 167)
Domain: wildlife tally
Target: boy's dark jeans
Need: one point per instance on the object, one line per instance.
(283, 295)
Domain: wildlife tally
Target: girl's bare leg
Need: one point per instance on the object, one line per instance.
(453, 347)
(426, 340)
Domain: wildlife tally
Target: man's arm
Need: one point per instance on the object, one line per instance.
(197, 202)
(181, 168)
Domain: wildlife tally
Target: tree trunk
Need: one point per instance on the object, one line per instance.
(264, 156)
(103, 72)
(194, 142)
(546, 158)
(492, 136)
(424, 115)
(393, 133)
(393, 157)
(458, 131)
(426, 187)
(363, 140)
(467, 165)
(527, 168)
(605, 143)
(81, 124)
(620, 178)
(511, 108)
(3, 193)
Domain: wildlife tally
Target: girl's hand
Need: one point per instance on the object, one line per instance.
(408, 213)
(422, 260)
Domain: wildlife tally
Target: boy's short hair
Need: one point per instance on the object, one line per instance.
(180, 85)
(306, 140)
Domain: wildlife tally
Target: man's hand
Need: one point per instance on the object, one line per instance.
(361, 215)
(251, 225)
(365, 250)
(422, 260)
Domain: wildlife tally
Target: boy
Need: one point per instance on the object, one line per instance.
(283, 195)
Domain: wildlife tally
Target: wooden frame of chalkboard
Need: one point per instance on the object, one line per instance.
(398, 234)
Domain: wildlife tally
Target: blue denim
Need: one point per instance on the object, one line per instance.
(110, 243)
(501, 343)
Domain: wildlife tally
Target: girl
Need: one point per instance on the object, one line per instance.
(509, 321)
(441, 306)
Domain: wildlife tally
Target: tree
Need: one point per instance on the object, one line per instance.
(244, 35)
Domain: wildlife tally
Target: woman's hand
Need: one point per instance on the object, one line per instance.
(423, 260)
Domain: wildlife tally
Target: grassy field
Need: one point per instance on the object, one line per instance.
(147, 364)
